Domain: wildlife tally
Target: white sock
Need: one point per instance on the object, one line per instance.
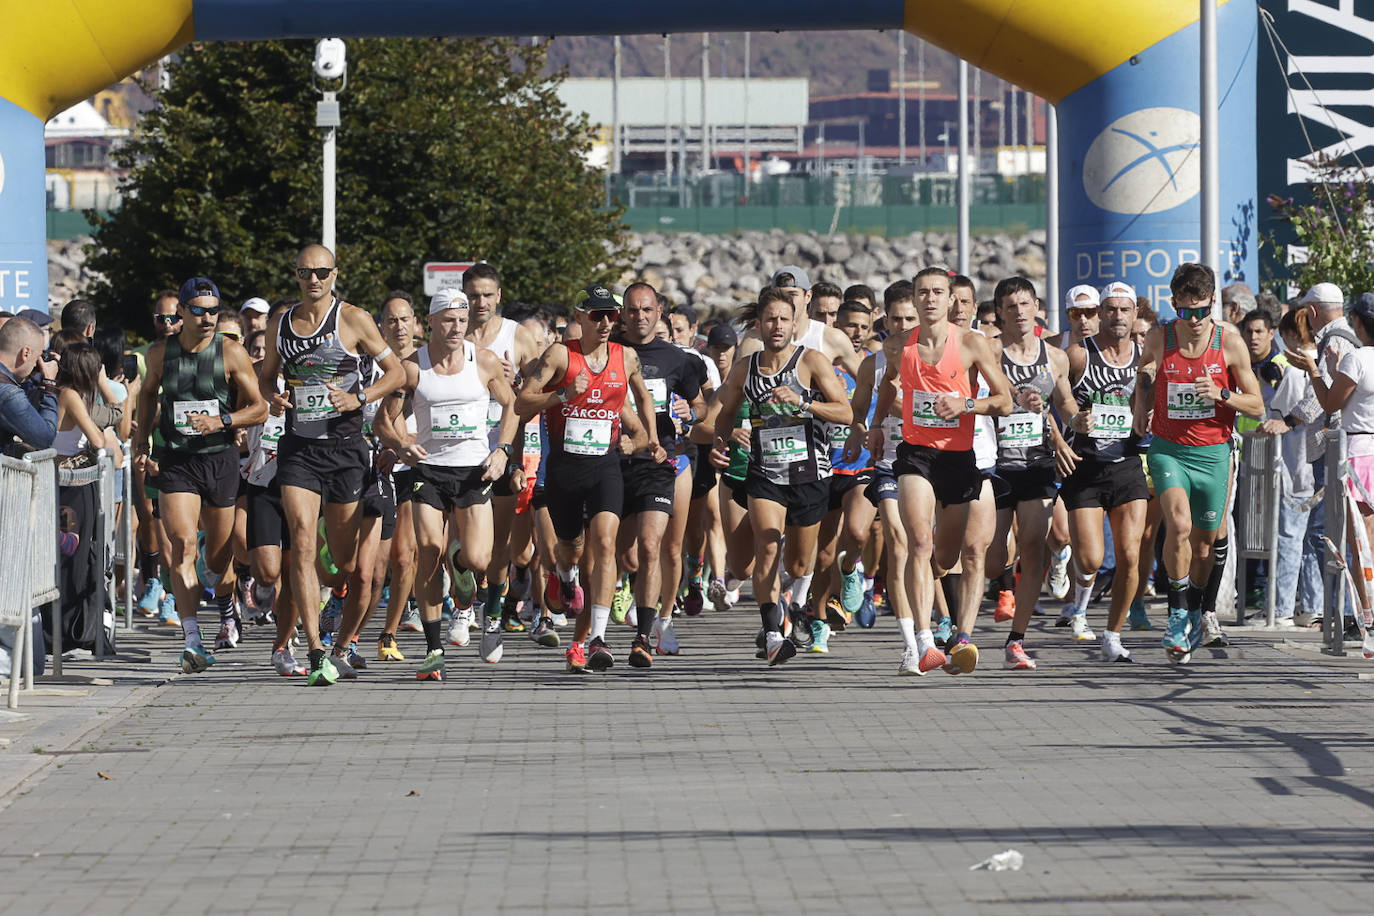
(908, 627)
(191, 629)
(568, 575)
(924, 642)
(1082, 594)
(868, 583)
(1111, 637)
(801, 586)
(600, 614)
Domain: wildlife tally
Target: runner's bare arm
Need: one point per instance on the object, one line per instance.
(389, 424)
(1247, 399)
(1143, 398)
(1067, 409)
(244, 380)
(493, 367)
(731, 397)
(368, 339)
(840, 349)
(147, 396)
(863, 396)
(833, 405)
(270, 368)
(645, 403)
(998, 403)
(533, 399)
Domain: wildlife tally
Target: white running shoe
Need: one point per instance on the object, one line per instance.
(717, 595)
(1112, 649)
(1059, 573)
(286, 664)
(491, 648)
(632, 616)
(911, 664)
(1212, 634)
(1081, 631)
(665, 637)
(459, 629)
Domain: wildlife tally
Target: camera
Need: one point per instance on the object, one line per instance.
(330, 59)
(49, 356)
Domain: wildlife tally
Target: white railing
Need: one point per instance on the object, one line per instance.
(28, 507)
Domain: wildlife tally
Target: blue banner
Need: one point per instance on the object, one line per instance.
(1130, 164)
(23, 247)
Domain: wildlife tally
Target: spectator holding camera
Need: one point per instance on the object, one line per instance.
(28, 387)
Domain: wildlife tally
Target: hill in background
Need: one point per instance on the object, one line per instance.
(836, 62)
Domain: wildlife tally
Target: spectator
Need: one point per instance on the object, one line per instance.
(253, 315)
(1290, 407)
(1257, 330)
(256, 345)
(1270, 303)
(79, 316)
(78, 382)
(1237, 301)
(42, 319)
(24, 366)
(229, 325)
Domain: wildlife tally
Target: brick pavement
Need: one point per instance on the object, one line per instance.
(1242, 783)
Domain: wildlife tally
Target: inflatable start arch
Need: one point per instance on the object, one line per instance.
(1123, 73)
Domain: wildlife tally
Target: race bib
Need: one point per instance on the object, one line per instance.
(183, 411)
(1182, 402)
(1021, 430)
(493, 413)
(923, 412)
(312, 403)
(783, 446)
(272, 430)
(533, 443)
(457, 420)
(658, 390)
(1110, 421)
(583, 436)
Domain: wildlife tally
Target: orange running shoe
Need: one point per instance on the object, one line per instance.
(1006, 606)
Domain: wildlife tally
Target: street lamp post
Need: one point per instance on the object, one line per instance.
(331, 66)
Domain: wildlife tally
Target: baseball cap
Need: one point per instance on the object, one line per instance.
(799, 278)
(1117, 288)
(446, 299)
(1364, 306)
(197, 286)
(1325, 293)
(722, 335)
(1082, 290)
(256, 304)
(42, 319)
(597, 296)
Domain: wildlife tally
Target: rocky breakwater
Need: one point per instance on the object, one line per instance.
(721, 271)
(68, 276)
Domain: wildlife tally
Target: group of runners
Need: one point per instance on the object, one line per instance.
(842, 450)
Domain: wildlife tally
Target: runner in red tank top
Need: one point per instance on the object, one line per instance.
(1194, 376)
(937, 478)
(580, 388)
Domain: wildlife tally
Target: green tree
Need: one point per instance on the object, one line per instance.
(449, 149)
(1333, 221)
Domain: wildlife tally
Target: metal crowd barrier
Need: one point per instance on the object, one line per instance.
(1333, 565)
(28, 577)
(107, 534)
(1257, 518)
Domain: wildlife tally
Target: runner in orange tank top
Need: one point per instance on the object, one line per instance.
(937, 477)
(1194, 378)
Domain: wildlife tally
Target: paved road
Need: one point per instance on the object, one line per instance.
(1242, 783)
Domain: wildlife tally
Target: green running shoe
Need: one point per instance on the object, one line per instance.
(820, 637)
(1137, 617)
(433, 667)
(323, 676)
(852, 588)
(622, 600)
(464, 588)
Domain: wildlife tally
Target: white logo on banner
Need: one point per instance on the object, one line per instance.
(1145, 162)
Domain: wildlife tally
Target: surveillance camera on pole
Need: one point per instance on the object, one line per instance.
(331, 64)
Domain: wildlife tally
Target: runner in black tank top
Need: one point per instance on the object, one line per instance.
(790, 392)
(1109, 478)
(323, 460)
(197, 377)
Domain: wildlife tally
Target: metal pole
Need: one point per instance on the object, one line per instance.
(330, 137)
(977, 120)
(667, 106)
(1015, 128)
(705, 119)
(1211, 202)
(901, 98)
(921, 99)
(1030, 130)
(127, 525)
(1052, 216)
(748, 159)
(615, 110)
(963, 169)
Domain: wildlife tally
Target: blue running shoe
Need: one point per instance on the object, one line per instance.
(1176, 633)
(152, 595)
(867, 615)
(944, 629)
(448, 609)
(194, 659)
(1195, 629)
(330, 614)
(1137, 617)
(167, 611)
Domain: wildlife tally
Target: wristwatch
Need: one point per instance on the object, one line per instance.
(362, 396)
(506, 447)
(226, 418)
(1226, 394)
(968, 405)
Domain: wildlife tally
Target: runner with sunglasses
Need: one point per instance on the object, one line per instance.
(193, 382)
(1195, 376)
(580, 387)
(323, 459)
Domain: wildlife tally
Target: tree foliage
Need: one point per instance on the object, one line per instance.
(449, 150)
(1332, 227)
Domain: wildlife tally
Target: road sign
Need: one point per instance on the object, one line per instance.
(445, 275)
